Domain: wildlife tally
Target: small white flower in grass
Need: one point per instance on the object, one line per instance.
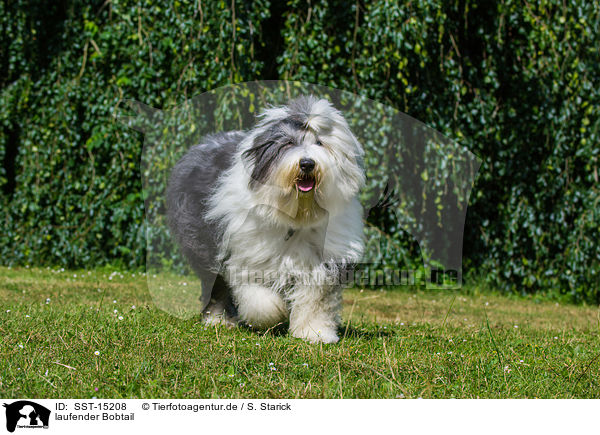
(120, 317)
(507, 369)
(133, 307)
(464, 339)
(402, 323)
(27, 316)
(21, 346)
(243, 339)
(185, 283)
(305, 364)
(115, 301)
(271, 364)
(97, 353)
(516, 326)
(74, 275)
(487, 303)
(99, 289)
(521, 361)
(46, 374)
(273, 369)
(115, 311)
(449, 353)
(47, 301)
(258, 345)
(110, 278)
(556, 338)
(8, 311)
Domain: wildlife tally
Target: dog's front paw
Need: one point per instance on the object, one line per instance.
(315, 334)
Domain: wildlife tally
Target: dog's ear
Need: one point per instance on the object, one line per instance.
(253, 158)
(260, 143)
(262, 156)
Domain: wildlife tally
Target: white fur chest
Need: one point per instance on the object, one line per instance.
(271, 254)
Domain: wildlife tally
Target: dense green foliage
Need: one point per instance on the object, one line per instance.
(514, 82)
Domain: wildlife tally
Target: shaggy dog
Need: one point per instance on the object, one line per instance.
(269, 218)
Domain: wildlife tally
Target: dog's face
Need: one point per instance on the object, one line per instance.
(303, 160)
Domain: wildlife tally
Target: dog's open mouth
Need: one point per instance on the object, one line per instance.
(305, 184)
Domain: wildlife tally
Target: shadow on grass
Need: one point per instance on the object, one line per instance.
(345, 332)
(354, 332)
(279, 330)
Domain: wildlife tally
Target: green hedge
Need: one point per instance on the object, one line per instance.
(517, 83)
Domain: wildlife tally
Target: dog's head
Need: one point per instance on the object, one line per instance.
(303, 160)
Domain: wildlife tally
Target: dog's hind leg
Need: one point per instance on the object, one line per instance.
(221, 308)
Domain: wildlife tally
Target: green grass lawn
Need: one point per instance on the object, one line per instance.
(81, 335)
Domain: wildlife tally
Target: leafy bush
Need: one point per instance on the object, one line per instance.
(515, 83)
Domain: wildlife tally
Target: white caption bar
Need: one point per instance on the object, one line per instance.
(263, 417)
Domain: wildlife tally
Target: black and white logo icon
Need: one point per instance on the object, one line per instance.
(26, 414)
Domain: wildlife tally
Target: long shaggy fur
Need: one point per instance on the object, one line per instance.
(269, 218)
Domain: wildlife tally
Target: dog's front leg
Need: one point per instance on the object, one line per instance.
(259, 306)
(316, 313)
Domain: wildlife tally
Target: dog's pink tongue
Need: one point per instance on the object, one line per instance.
(306, 185)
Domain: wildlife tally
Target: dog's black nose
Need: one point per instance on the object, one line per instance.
(307, 165)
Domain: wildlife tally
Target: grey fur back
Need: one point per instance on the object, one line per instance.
(192, 181)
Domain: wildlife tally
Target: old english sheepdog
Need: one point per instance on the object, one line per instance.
(269, 218)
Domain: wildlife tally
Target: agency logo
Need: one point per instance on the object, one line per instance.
(25, 414)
